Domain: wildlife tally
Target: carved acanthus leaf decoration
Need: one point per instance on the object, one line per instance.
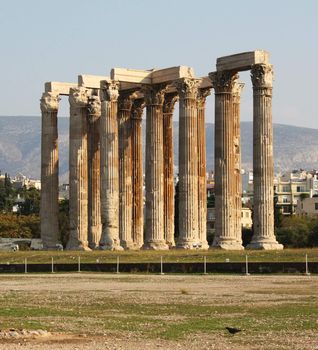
(154, 94)
(262, 76)
(49, 102)
(94, 105)
(223, 81)
(125, 100)
(78, 97)
(169, 103)
(109, 90)
(137, 109)
(187, 87)
(202, 95)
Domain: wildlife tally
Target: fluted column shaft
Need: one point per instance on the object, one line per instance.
(263, 168)
(49, 207)
(154, 235)
(109, 167)
(78, 179)
(137, 174)
(223, 83)
(202, 194)
(125, 102)
(237, 162)
(94, 213)
(188, 164)
(168, 108)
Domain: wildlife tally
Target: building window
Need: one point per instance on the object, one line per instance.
(300, 189)
(285, 199)
(316, 206)
(285, 189)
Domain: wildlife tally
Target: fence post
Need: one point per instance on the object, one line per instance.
(79, 264)
(161, 266)
(52, 265)
(307, 273)
(204, 266)
(246, 266)
(25, 265)
(117, 268)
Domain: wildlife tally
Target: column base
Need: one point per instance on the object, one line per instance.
(129, 245)
(108, 243)
(111, 247)
(269, 245)
(188, 244)
(204, 245)
(79, 248)
(226, 245)
(155, 245)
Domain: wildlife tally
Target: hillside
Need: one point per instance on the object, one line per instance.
(294, 147)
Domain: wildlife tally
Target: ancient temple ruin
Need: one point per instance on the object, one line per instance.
(107, 206)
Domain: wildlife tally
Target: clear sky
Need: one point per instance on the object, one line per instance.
(57, 40)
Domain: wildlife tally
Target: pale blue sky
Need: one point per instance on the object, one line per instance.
(57, 40)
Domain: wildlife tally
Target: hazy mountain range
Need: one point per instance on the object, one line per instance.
(294, 147)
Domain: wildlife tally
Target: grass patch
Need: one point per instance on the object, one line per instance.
(67, 257)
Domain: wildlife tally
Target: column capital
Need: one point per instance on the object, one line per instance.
(137, 109)
(223, 81)
(154, 94)
(109, 90)
(78, 97)
(262, 76)
(187, 87)
(169, 102)
(202, 95)
(126, 100)
(94, 105)
(49, 102)
(237, 90)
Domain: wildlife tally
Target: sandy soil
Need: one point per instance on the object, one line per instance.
(156, 289)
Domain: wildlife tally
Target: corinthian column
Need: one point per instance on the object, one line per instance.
(237, 183)
(109, 167)
(263, 168)
(78, 181)
(94, 216)
(154, 97)
(137, 173)
(225, 237)
(49, 207)
(202, 197)
(168, 107)
(188, 164)
(125, 102)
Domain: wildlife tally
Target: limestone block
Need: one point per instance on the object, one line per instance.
(59, 88)
(91, 81)
(131, 75)
(171, 74)
(242, 61)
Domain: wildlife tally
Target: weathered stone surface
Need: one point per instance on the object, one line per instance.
(109, 167)
(49, 207)
(242, 61)
(159, 76)
(59, 88)
(78, 181)
(223, 83)
(237, 181)
(138, 76)
(263, 169)
(202, 196)
(94, 213)
(154, 235)
(168, 108)
(188, 166)
(137, 174)
(125, 102)
(91, 81)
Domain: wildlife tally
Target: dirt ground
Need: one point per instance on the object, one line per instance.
(264, 293)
